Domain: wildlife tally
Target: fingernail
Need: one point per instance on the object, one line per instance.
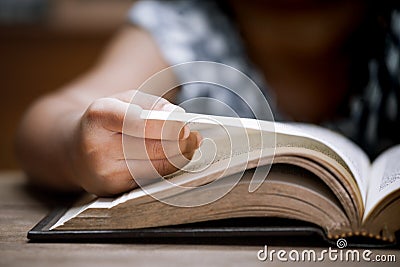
(185, 132)
(178, 109)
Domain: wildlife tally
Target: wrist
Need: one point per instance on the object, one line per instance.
(69, 133)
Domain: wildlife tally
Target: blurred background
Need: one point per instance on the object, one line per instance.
(44, 44)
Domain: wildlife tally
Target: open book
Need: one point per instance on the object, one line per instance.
(317, 176)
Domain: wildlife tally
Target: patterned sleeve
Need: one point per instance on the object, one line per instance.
(187, 30)
(195, 30)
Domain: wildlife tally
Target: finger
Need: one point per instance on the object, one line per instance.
(163, 130)
(139, 148)
(147, 101)
(118, 116)
(145, 169)
(152, 128)
(122, 178)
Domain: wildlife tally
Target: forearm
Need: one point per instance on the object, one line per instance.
(46, 131)
(45, 136)
(43, 139)
(80, 146)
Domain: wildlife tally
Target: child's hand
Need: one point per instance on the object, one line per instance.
(98, 154)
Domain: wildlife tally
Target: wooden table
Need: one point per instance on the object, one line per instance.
(21, 207)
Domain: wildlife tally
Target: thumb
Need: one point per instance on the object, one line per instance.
(147, 101)
(122, 117)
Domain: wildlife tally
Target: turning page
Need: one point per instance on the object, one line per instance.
(352, 155)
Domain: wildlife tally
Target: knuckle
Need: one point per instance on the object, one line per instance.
(104, 113)
(188, 155)
(105, 175)
(156, 149)
(161, 104)
(165, 167)
(98, 108)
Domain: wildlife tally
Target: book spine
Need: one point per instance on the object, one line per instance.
(384, 236)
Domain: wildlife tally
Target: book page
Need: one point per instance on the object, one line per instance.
(356, 159)
(349, 155)
(384, 178)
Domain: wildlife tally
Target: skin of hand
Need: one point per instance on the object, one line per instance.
(152, 148)
(72, 139)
